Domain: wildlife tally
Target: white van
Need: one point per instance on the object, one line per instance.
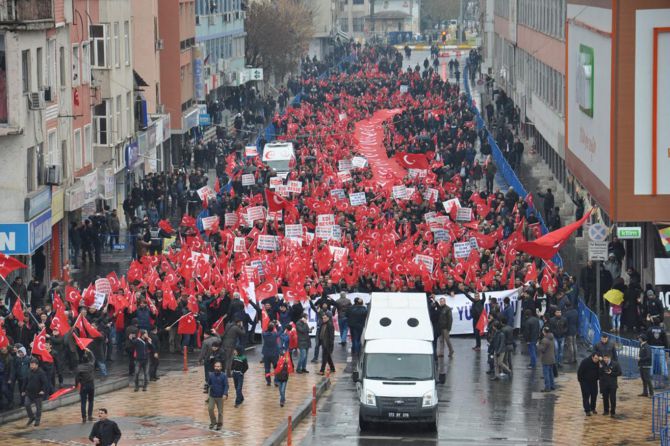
(278, 155)
(395, 376)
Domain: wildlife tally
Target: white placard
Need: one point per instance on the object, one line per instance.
(256, 213)
(473, 243)
(451, 203)
(99, 300)
(294, 186)
(344, 176)
(441, 235)
(325, 220)
(250, 151)
(293, 231)
(336, 232)
(277, 215)
(282, 190)
(399, 192)
(275, 181)
(209, 222)
(430, 194)
(337, 252)
(206, 191)
(248, 179)
(464, 214)
(268, 242)
(338, 193)
(344, 165)
(357, 199)
(230, 219)
(462, 250)
(413, 173)
(324, 232)
(359, 162)
(239, 244)
(426, 260)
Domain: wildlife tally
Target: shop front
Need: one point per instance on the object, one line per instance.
(29, 242)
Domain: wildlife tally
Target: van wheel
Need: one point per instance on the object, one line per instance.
(363, 425)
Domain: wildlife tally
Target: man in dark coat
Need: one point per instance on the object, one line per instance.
(587, 375)
(609, 371)
(327, 338)
(35, 389)
(105, 431)
(356, 316)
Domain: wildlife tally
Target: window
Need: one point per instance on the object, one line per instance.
(25, 70)
(41, 163)
(117, 45)
(53, 155)
(78, 153)
(86, 63)
(99, 45)
(118, 129)
(130, 128)
(126, 41)
(101, 122)
(88, 144)
(75, 65)
(358, 24)
(61, 66)
(40, 68)
(31, 184)
(51, 63)
(4, 115)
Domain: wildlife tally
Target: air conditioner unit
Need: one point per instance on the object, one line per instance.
(36, 100)
(54, 175)
(160, 44)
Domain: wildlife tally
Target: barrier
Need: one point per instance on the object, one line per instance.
(665, 436)
(628, 352)
(589, 324)
(503, 166)
(659, 414)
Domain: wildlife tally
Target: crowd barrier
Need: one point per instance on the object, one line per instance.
(659, 416)
(589, 324)
(503, 166)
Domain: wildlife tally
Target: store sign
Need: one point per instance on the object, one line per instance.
(630, 232)
(191, 120)
(37, 202)
(74, 197)
(107, 183)
(132, 155)
(25, 238)
(90, 182)
(57, 205)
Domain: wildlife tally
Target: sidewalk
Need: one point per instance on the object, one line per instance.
(173, 411)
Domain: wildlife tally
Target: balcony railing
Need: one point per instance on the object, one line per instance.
(26, 11)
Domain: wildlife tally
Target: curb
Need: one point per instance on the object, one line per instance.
(280, 433)
(108, 386)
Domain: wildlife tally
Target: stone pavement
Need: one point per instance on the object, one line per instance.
(173, 411)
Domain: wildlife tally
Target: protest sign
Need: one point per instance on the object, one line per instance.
(256, 213)
(267, 243)
(338, 193)
(250, 151)
(344, 165)
(294, 186)
(464, 214)
(210, 222)
(357, 199)
(399, 192)
(451, 203)
(462, 250)
(359, 162)
(293, 231)
(239, 245)
(230, 219)
(426, 260)
(325, 220)
(248, 179)
(344, 176)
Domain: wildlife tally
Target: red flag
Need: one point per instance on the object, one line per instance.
(166, 226)
(60, 322)
(412, 160)
(265, 290)
(275, 202)
(531, 274)
(82, 343)
(217, 185)
(483, 322)
(4, 340)
(9, 264)
(85, 328)
(17, 310)
(205, 202)
(61, 392)
(39, 346)
(549, 244)
(219, 325)
(265, 320)
(187, 325)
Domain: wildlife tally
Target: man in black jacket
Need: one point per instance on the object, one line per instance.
(34, 389)
(587, 375)
(531, 333)
(142, 349)
(559, 327)
(356, 315)
(85, 378)
(105, 432)
(609, 371)
(475, 311)
(644, 362)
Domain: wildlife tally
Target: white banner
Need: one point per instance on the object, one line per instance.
(325, 220)
(294, 186)
(293, 231)
(357, 199)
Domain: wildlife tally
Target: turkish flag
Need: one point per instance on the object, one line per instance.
(4, 340)
(294, 294)
(188, 221)
(483, 322)
(82, 343)
(85, 328)
(549, 244)
(61, 392)
(217, 185)
(275, 202)
(412, 160)
(60, 322)
(166, 226)
(187, 325)
(219, 325)
(531, 274)
(265, 290)
(39, 346)
(9, 264)
(17, 310)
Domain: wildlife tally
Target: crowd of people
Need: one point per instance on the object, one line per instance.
(245, 255)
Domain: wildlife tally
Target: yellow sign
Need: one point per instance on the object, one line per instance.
(167, 242)
(57, 205)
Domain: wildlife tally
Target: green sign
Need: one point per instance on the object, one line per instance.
(631, 232)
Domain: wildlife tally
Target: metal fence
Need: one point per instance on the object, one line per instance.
(659, 416)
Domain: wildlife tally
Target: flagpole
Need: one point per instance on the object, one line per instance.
(19, 298)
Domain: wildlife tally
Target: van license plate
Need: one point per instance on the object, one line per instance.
(398, 415)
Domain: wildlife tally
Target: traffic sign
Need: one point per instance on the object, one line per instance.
(598, 232)
(597, 250)
(630, 232)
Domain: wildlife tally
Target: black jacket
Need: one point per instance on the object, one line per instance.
(609, 380)
(446, 318)
(356, 315)
(559, 326)
(476, 309)
(531, 330)
(36, 383)
(107, 431)
(86, 371)
(644, 358)
(588, 371)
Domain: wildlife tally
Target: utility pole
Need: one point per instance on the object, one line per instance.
(460, 27)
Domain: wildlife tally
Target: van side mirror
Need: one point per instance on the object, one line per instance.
(355, 377)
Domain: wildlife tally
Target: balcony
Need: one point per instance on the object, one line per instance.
(26, 14)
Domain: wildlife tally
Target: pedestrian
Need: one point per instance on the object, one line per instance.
(548, 359)
(444, 322)
(343, 304)
(499, 352)
(34, 390)
(572, 318)
(559, 328)
(282, 372)
(270, 352)
(531, 333)
(587, 375)
(218, 391)
(609, 371)
(327, 338)
(211, 338)
(154, 360)
(142, 349)
(644, 362)
(240, 367)
(232, 338)
(105, 432)
(605, 346)
(476, 310)
(356, 316)
(304, 343)
(85, 379)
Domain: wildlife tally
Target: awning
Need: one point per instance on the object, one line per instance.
(139, 82)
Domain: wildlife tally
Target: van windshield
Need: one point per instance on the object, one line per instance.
(398, 367)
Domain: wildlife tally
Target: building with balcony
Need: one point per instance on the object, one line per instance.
(35, 132)
(351, 18)
(176, 19)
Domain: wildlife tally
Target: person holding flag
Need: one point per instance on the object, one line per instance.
(476, 311)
